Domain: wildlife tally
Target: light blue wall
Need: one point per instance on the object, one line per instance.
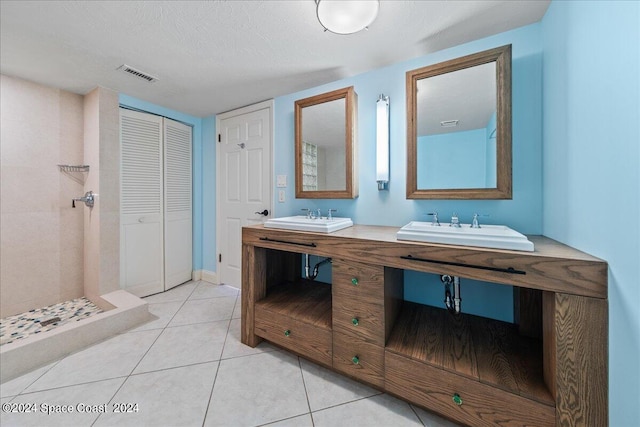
(453, 160)
(491, 159)
(197, 190)
(591, 174)
(523, 213)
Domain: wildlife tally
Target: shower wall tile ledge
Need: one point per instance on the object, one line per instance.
(23, 355)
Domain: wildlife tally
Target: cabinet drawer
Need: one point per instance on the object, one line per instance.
(363, 282)
(366, 321)
(307, 340)
(479, 404)
(368, 364)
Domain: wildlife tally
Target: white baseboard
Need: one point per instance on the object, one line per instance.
(207, 276)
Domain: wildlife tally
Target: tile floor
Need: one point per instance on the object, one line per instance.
(188, 368)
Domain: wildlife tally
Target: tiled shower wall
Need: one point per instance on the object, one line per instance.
(41, 236)
(102, 222)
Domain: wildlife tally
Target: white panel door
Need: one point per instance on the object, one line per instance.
(177, 204)
(244, 182)
(141, 219)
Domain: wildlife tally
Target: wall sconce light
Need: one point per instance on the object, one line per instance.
(382, 142)
(346, 16)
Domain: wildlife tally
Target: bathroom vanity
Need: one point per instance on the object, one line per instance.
(550, 368)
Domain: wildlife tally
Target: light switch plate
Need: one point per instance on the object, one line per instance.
(281, 196)
(281, 181)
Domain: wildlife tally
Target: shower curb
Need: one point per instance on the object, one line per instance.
(22, 356)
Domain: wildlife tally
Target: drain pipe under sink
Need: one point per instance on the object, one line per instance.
(452, 302)
(314, 274)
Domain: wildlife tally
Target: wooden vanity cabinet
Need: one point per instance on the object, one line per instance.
(549, 369)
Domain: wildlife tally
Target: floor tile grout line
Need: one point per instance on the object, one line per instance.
(160, 334)
(306, 392)
(283, 419)
(147, 351)
(224, 344)
(346, 403)
(416, 413)
(213, 386)
(169, 368)
(70, 385)
(112, 397)
(151, 346)
(156, 371)
(254, 354)
(192, 324)
(53, 365)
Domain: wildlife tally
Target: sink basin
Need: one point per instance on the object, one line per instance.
(488, 236)
(302, 223)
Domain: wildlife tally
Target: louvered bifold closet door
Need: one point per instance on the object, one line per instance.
(141, 206)
(177, 202)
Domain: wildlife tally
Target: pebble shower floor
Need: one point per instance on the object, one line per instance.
(20, 326)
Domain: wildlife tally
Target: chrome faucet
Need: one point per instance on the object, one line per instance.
(319, 214)
(455, 221)
(435, 222)
(308, 215)
(329, 215)
(474, 222)
(88, 199)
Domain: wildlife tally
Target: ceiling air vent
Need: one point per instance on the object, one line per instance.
(449, 123)
(137, 73)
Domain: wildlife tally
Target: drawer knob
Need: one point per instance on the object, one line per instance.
(457, 399)
(355, 360)
(355, 321)
(354, 281)
(287, 333)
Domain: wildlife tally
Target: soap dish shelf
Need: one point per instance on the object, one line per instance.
(74, 168)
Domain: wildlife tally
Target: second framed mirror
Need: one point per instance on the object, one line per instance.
(325, 145)
(459, 128)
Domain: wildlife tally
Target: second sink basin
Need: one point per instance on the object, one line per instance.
(302, 223)
(488, 236)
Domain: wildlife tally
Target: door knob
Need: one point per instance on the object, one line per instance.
(264, 212)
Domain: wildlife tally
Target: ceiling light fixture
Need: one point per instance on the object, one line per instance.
(346, 16)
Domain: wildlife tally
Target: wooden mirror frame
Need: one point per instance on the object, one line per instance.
(502, 57)
(351, 187)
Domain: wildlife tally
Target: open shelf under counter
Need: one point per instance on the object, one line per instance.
(297, 316)
(485, 350)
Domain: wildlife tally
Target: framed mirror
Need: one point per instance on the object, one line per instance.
(459, 128)
(325, 145)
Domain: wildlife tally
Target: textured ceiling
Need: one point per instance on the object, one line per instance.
(215, 56)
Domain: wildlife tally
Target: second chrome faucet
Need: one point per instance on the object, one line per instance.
(317, 214)
(455, 220)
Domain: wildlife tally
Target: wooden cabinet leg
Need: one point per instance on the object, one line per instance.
(254, 287)
(581, 331)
